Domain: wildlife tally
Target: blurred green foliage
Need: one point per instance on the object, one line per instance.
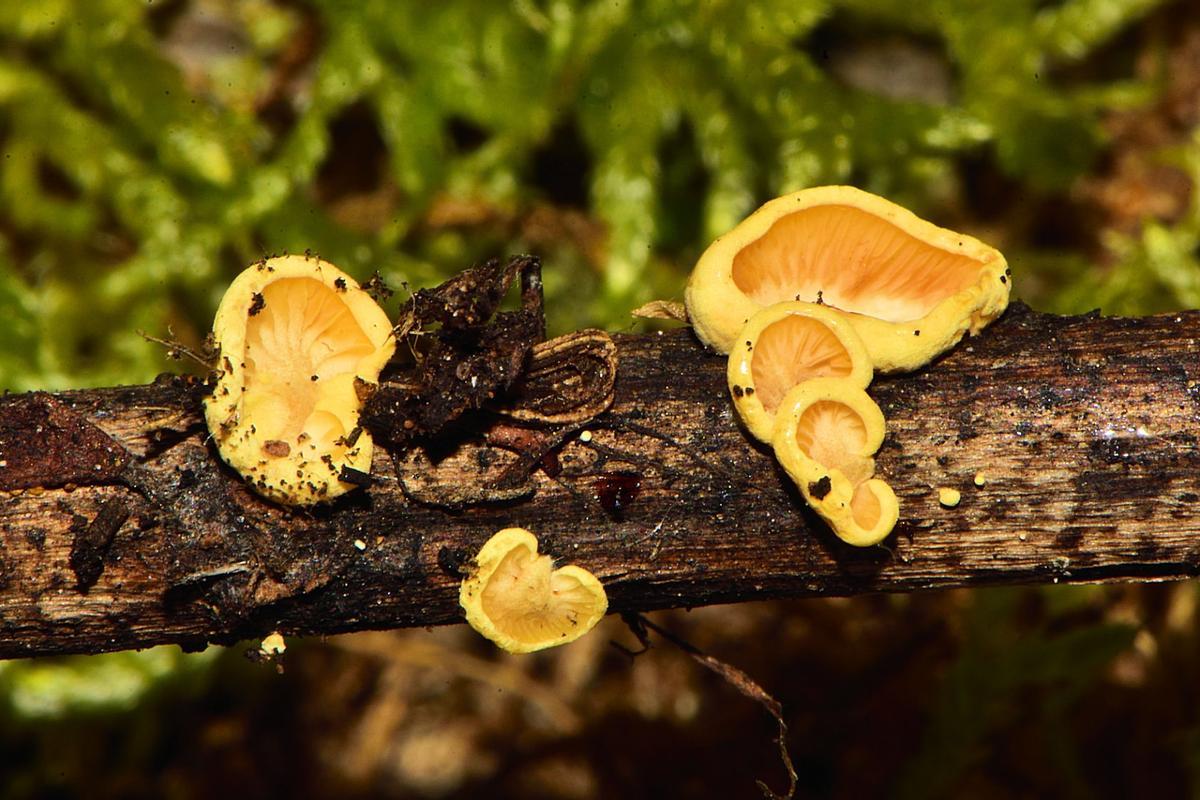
(1156, 270)
(53, 689)
(1007, 669)
(150, 150)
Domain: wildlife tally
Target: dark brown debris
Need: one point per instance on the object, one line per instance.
(44, 443)
(464, 355)
(92, 541)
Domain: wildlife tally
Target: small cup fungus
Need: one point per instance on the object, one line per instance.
(296, 338)
(826, 432)
(910, 288)
(515, 598)
(784, 345)
(949, 497)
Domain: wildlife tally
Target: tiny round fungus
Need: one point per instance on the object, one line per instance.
(273, 644)
(910, 288)
(515, 598)
(827, 431)
(295, 335)
(786, 344)
(980, 479)
(949, 497)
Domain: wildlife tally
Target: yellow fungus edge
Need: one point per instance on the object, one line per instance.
(236, 443)
(834, 505)
(740, 371)
(488, 560)
(718, 308)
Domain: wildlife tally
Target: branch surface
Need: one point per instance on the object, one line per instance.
(120, 527)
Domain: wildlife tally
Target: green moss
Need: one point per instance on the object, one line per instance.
(144, 163)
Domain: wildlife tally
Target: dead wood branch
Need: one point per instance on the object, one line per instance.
(121, 528)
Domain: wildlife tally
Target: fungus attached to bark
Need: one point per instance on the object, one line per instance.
(910, 288)
(827, 431)
(784, 345)
(297, 339)
(949, 497)
(515, 597)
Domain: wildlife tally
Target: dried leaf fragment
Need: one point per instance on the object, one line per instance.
(662, 309)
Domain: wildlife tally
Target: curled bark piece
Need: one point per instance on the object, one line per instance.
(568, 381)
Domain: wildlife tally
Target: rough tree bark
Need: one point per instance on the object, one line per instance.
(120, 528)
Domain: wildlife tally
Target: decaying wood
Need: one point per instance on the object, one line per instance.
(121, 528)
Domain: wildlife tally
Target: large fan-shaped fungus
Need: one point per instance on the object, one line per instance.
(826, 432)
(515, 598)
(910, 288)
(786, 344)
(296, 335)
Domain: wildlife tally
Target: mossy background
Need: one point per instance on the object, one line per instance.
(150, 150)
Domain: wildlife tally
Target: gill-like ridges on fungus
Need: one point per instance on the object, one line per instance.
(809, 296)
(297, 340)
(910, 288)
(786, 344)
(827, 431)
(798, 374)
(516, 599)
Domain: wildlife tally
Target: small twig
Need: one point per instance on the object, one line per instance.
(176, 350)
(639, 625)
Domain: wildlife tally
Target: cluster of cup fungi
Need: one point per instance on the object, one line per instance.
(809, 296)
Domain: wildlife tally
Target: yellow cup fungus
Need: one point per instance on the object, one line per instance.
(515, 597)
(296, 338)
(949, 497)
(910, 288)
(786, 344)
(827, 431)
(810, 295)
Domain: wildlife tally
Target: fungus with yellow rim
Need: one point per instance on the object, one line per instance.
(910, 288)
(515, 598)
(296, 338)
(827, 431)
(786, 344)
